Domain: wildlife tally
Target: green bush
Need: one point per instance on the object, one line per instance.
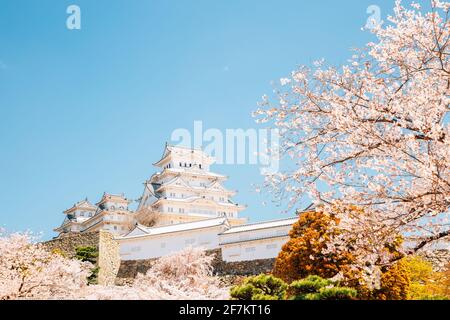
(317, 288)
(337, 293)
(89, 254)
(262, 287)
(311, 284)
(268, 287)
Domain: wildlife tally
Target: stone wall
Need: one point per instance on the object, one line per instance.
(108, 251)
(108, 259)
(131, 268)
(241, 268)
(68, 244)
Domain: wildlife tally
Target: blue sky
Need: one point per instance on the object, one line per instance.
(87, 111)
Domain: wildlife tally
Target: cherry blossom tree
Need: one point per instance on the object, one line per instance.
(185, 275)
(373, 134)
(29, 271)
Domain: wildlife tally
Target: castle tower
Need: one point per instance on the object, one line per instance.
(76, 216)
(185, 190)
(111, 213)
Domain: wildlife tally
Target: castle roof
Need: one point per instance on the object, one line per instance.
(200, 173)
(261, 225)
(114, 198)
(81, 205)
(170, 150)
(149, 231)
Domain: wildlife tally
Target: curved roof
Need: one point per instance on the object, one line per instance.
(83, 205)
(148, 231)
(261, 225)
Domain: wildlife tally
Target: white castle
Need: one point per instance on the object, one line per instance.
(193, 209)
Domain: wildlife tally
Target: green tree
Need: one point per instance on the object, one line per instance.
(262, 287)
(89, 254)
(317, 288)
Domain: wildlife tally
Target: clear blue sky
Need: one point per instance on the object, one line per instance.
(88, 111)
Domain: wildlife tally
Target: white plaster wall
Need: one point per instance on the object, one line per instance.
(160, 245)
(255, 234)
(253, 250)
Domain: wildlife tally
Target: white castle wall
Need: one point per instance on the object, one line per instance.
(155, 246)
(252, 250)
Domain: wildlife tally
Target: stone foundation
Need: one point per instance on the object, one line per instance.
(68, 244)
(108, 251)
(131, 268)
(108, 259)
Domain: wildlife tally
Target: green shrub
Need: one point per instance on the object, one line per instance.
(89, 254)
(337, 293)
(262, 287)
(317, 288)
(311, 284)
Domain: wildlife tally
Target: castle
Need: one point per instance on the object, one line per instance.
(192, 208)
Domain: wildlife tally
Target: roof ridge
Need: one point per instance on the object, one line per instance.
(263, 222)
(184, 223)
(185, 147)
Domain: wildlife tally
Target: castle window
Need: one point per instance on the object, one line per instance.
(200, 166)
(113, 208)
(181, 210)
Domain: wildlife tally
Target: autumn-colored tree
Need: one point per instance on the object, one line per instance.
(426, 283)
(373, 133)
(303, 254)
(394, 284)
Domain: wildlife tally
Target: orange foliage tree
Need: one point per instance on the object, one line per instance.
(303, 256)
